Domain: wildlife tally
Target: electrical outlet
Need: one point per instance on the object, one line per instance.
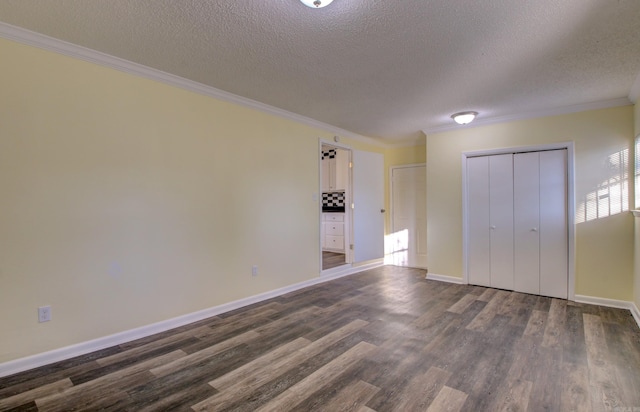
(254, 270)
(44, 314)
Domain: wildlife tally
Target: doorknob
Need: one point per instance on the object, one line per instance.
(382, 210)
(493, 227)
(535, 229)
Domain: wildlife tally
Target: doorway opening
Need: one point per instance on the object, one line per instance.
(406, 245)
(336, 195)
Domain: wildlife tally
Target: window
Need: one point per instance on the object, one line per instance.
(611, 196)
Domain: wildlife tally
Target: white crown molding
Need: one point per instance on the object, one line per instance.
(68, 352)
(634, 93)
(556, 111)
(420, 141)
(41, 41)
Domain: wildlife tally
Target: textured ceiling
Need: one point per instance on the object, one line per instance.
(383, 69)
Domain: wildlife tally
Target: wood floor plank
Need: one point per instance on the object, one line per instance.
(174, 401)
(243, 387)
(351, 398)
(449, 400)
(575, 388)
(487, 294)
(24, 381)
(101, 390)
(537, 324)
(605, 391)
(245, 371)
(487, 314)
(430, 345)
(422, 390)
(25, 397)
(186, 361)
(323, 376)
(517, 396)
(138, 351)
(462, 304)
(555, 324)
(624, 344)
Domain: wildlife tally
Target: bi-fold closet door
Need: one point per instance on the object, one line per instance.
(517, 233)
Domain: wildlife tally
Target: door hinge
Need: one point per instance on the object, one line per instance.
(351, 247)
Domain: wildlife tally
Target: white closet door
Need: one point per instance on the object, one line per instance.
(526, 174)
(553, 224)
(501, 220)
(478, 237)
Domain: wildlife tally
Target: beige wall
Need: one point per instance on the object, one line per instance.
(127, 202)
(399, 156)
(604, 247)
(636, 281)
(636, 118)
(636, 276)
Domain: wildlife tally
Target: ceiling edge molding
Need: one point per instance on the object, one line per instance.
(30, 38)
(421, 141)
(556, 111)
(634, 93)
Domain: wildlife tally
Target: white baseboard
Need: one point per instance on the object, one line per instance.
(636, 313)
(611, 303)
(444, 278)
(56, 355)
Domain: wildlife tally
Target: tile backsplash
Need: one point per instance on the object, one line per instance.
(333, 199)
(329, 154)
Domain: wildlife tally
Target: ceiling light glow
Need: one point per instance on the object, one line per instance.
(316, 4)
(464, 117)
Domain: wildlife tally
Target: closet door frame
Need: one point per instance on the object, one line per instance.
(569, 146)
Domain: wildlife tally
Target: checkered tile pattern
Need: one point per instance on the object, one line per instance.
(334, 199)
(329, 154)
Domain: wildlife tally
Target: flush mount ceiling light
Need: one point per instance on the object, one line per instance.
(316, 4)
(464, 117)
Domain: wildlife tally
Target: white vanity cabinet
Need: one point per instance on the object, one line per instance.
(333, 232)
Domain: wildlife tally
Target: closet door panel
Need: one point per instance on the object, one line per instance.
(526, 170)
(478, 246)
(553, 224)
(501, 220)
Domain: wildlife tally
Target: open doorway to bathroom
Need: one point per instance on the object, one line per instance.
(335, 222)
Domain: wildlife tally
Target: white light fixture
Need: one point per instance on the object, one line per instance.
(316, 4)
(464, 117)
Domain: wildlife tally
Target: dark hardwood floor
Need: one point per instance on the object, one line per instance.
(382, 340)
(332, 259)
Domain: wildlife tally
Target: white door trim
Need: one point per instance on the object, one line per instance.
(348, 211)
(571, 205)
(391, 169)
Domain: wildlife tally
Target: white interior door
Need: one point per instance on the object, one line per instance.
(478, 222)
(526, 174)
(368, 200)
(501, 220)
(517, 230)
(554, 249)
(408, 239)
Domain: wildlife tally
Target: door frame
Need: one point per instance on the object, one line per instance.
(348, 210)
(391, 205)
(571, 207)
